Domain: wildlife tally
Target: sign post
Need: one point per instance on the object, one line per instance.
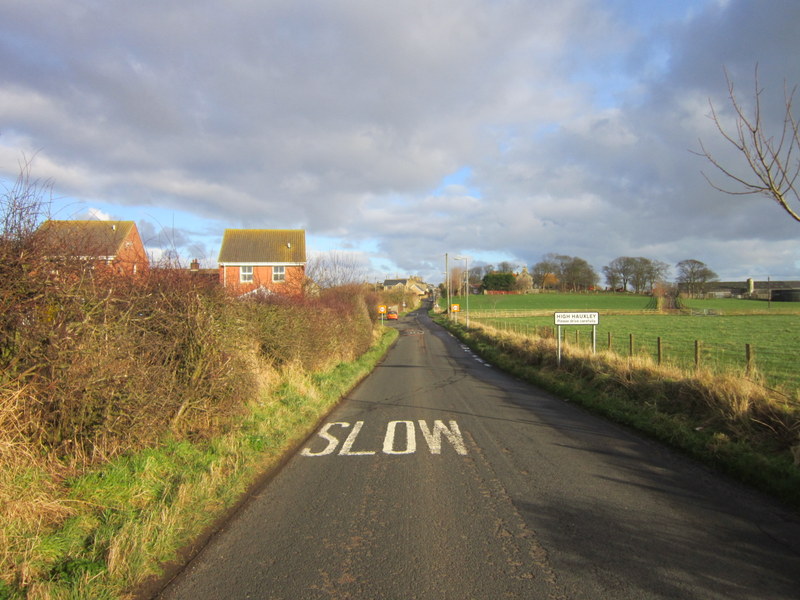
(382, 311)
(577, 318)
(455, 308)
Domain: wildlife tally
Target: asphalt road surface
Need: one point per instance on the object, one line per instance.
(440, 477)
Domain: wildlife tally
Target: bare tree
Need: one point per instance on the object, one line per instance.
(772, 161)
(335, 268)
(545, 272)
(620, 271)
(23, 206)
(693, 275)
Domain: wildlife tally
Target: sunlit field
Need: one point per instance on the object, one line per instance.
(629, 323)
(617, 302)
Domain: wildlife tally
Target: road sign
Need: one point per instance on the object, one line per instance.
(455, 308)
(382, 310)
(577, 318)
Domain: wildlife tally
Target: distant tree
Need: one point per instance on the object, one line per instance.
(577, 274)
(573, 273)
(693, 275)
(458, 281)
(619, 271)
(657, 273)
(476, 273)
(638, 272)
(335, 268)
(544, 273)
(498, 281)
(523, 282)
(771, 160)
(613, 279)
(505, 267)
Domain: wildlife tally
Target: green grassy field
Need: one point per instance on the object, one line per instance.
(555, 302)
(617, 303)
(723, 327)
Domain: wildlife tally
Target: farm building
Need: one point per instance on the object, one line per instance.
(780, 291)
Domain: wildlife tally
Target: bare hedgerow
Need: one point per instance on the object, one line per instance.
(315, 333)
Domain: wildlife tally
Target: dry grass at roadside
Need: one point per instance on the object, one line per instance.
(77, 529)
(729, 421)
(134, 407)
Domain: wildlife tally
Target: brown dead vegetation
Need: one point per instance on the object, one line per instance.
(94, 364)
(729, 407)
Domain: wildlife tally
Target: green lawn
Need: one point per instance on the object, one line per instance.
(723, 327)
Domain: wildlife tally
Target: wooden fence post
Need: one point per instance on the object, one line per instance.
(697, 354)
(659, 350)
(748, 353)
(609, 341)
(630, 344)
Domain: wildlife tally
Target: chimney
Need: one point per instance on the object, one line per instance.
(194, 266)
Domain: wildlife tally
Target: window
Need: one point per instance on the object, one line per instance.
(278, 273)
(245, 274)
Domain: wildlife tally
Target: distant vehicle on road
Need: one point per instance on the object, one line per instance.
(391, 315)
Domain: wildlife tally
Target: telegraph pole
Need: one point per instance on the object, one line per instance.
(447, 280)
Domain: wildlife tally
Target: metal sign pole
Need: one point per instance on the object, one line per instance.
(558, 362)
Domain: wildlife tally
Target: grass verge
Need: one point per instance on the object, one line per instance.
(122, 522)
(724, 421)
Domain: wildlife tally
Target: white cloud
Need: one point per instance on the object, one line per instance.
(98, 215)
(575, 117)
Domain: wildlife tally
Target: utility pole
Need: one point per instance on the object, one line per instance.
(447, 280)
(466, 282)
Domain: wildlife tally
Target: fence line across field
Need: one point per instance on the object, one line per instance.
(747, 357)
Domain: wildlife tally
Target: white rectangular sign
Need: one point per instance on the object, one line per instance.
(577, 318)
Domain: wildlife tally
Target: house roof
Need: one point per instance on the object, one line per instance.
(86, 238)
(393, 282)
(258, 246)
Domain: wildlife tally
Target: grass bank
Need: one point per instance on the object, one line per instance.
(104, 532)
(136, 406)
(727, 422)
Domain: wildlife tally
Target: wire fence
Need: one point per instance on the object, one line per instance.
(772, 365)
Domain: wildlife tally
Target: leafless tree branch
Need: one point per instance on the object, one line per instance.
(773, 166)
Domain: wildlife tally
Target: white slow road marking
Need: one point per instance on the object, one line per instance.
(393, 442)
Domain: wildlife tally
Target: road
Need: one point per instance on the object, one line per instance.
(440, 477)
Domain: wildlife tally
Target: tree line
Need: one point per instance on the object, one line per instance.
(574, 274)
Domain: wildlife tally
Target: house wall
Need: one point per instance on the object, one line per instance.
(132, 257)
(262, 277)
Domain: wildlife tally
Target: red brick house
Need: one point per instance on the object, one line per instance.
(271, 260)
(112, 245)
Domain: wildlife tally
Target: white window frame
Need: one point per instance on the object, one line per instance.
(246, 274)
(278, 274)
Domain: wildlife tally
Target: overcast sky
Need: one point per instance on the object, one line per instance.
(498, 129)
